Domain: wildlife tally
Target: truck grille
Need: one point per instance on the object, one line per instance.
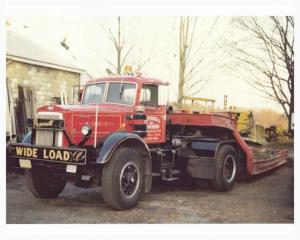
(45, 136)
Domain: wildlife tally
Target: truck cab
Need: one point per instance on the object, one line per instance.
(113, 104)
(124, 101)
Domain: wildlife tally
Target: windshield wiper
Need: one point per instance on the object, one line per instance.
(122, 89)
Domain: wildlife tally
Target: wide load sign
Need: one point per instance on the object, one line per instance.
(53, 154)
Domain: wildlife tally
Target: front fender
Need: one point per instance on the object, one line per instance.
(116, 139)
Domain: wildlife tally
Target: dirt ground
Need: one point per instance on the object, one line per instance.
(266, 199)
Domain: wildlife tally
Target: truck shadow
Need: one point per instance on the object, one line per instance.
(75, 196)
(160, 186)
(269, 173)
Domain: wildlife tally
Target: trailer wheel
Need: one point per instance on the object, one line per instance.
(44, 183)
(226, 169)
(122, 179)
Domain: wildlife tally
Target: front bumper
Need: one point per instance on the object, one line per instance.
(71, 155)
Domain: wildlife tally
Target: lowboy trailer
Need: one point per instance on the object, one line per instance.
(122, 134)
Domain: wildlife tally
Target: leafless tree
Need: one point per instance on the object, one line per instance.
(118, 41)
(199, 56)
(123, 47)
(268, 55)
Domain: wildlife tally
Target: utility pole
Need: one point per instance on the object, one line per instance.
(183, 38)
(119, 47)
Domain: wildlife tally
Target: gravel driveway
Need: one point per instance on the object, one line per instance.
(265, 199)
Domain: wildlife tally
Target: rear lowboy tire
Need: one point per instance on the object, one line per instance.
(226, 169)
(122, 179)
(44, 183)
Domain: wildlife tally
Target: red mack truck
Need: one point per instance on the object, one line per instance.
(122, 134)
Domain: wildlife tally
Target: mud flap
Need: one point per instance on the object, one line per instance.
(201, 167)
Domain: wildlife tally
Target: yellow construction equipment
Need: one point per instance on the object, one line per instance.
(196, 104)
(275, 133)
(246, 125)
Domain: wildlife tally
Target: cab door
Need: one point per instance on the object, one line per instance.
(156, 114)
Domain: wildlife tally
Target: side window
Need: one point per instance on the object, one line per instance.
(149, 95)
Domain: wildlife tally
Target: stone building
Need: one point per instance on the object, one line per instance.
(29, 64)
(34, 76)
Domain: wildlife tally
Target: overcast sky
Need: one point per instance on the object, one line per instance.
(154, 38)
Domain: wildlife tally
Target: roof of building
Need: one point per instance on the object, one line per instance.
(22, 49)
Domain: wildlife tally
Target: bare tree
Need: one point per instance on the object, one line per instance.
(118, 41)
(124, 46)
(198, 53)
(268, 55)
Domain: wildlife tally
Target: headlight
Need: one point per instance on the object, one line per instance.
(86, 130)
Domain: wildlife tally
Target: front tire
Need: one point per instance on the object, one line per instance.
(44, 183)
(122, 179)
(226, 169)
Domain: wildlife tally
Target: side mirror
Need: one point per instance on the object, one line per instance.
(77, 93)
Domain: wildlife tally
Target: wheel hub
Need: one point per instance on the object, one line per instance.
(129, 179)
(229, 168)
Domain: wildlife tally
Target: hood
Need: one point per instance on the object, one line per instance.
(103, 108)
(110, 119)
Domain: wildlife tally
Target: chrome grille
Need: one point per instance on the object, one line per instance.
(45, 136)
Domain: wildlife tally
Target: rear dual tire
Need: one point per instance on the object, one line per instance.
(226, 169)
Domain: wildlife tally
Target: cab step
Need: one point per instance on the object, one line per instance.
(170, 175)
(170, 179)
(156, 174)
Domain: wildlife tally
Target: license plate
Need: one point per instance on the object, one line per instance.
(71, 168)
(25, 163)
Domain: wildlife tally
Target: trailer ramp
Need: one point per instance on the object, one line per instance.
(265, 159)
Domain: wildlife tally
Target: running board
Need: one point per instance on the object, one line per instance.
(172, 176)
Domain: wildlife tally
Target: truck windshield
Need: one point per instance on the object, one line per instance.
(123, 93)
(94, 93)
